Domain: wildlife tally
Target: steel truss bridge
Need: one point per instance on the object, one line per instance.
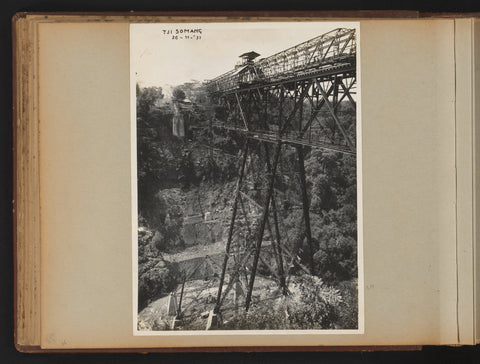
(289, 100)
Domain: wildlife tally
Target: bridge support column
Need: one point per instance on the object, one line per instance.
(179, 309)
(277, 246)
(232, 224)
(306, 208)
(261, 228)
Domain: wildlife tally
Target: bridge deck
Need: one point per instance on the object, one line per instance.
(291, 138)
(232, 85)
(328, 54)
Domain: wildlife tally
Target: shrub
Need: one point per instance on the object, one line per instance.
(156, 278)
(312, 305)
(146, 98)
(348, 309)
(316, 306)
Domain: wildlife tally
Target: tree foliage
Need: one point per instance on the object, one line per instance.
(332, 179)
(313, 305)
(156, 277)
(146, 99)
(178, 94)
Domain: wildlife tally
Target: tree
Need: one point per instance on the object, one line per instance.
(146, 98)
(178, 94)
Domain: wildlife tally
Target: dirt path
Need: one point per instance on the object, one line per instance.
(196, 251)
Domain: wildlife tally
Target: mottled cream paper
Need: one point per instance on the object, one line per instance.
(409, 189)
(465, 160)
(476, 180)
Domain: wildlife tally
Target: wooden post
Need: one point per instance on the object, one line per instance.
(171, 305)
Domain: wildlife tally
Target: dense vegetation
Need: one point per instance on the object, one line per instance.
(169, 167)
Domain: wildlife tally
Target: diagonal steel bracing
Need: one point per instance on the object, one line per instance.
(261, 228)
(292, 98)
(232, 224)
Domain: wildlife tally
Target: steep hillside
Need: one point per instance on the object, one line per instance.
(185, 195)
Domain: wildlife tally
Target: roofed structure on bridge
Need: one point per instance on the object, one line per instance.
(249, 55)
(247, 58)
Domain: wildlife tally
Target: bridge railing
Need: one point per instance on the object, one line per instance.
(324, 50)
(319, 53)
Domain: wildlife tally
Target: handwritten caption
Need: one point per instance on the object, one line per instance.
(183, 33)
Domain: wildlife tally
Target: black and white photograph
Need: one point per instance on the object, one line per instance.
(246, 152)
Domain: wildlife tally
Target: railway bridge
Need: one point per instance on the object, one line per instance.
(288, 100)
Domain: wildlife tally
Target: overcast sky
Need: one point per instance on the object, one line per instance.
(159, 60)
